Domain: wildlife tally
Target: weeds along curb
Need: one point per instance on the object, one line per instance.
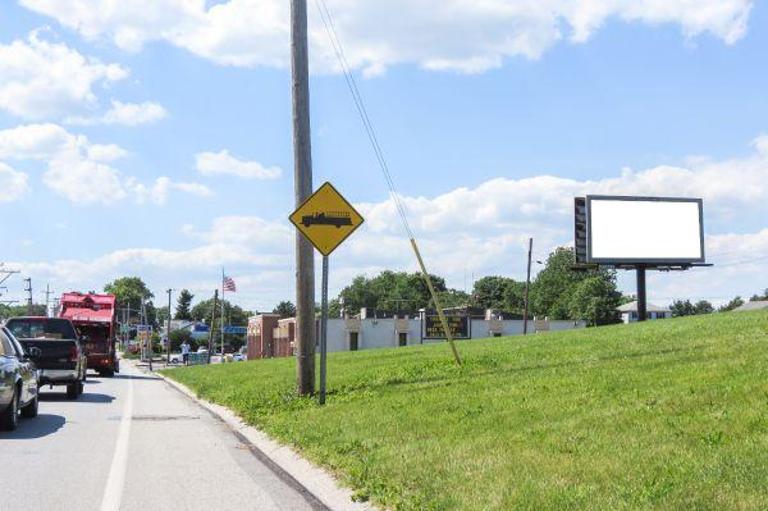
(321, 485)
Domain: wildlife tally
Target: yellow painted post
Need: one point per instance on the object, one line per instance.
(440, 312)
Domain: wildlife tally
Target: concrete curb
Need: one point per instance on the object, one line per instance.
(322, 485)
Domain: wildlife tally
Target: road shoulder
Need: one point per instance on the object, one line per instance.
(309, 477)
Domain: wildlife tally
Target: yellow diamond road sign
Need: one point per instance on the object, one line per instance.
(326, 219)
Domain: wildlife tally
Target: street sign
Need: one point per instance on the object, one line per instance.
(326, 219)
(236, 330)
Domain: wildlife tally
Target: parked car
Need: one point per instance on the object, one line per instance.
(18, 382)
(55, 348)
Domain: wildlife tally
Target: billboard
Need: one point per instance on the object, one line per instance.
(644, 230)
(458, 325)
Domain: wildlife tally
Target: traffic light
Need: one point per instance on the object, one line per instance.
(580, 229)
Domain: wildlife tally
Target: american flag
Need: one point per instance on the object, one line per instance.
(229, 284)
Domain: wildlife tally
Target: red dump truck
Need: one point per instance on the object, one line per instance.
(95, 319)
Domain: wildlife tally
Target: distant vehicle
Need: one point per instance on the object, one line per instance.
(334, 218)
(55, 348)
(241, 355)
(18, 382)
(94, 318)
(176, 358)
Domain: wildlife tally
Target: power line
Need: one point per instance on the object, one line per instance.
(357, 97)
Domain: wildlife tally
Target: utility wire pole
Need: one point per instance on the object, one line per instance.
(527, 287)
(47, 294)
(302, 164)
(28, 289)
(168, 331)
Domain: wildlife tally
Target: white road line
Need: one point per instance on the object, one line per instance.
(113, 492)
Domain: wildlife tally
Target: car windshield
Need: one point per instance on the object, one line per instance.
(41, 328)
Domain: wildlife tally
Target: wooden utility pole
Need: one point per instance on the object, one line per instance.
(213, 322)
(527, 286)
(302, 165)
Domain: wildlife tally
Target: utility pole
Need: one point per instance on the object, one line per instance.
(527, 287)
(302, 164)
(213, 323)
(28, 289)
(47, 294)
(168, 331)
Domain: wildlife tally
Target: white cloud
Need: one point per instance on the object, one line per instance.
(463, 35)
(13, 184)
(44, 79)
(125, 114)
(80, 171)
(223, 163)
(480, 230)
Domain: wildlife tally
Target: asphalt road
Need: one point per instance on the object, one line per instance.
(134, 443)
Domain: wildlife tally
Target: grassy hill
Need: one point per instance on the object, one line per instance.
(670, 414)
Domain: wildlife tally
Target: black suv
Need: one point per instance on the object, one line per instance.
(18, 382)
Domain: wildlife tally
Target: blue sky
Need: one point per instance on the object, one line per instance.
(676, 96)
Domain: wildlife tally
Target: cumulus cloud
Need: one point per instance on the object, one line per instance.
(44, 79)
(13, 184)
(80, 170)
(223, 163)
(125, 114)
(478, 230)
(460, 35)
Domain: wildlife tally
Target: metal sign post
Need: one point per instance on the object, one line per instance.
(324, 331)
(326, 219)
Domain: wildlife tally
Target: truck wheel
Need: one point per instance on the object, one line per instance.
(30, 411)
(80, 388)
(108, 373)
(9, 419)
(72, 390)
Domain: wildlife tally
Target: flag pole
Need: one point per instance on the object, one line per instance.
(221, 322)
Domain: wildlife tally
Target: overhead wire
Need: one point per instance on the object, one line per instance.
(357, 98)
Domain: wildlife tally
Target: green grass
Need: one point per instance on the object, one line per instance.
(664, 415)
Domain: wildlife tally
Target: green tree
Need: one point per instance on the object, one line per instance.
(184, 305)
(703, 307)
(10, 311)
(454, 298)
(595, 300)
(286, 309)
(556, 283)
(759, 298)
(682, 308)
(161, 315)
(490, 292)
(733, 304)
(133, 292)
(390, 292)
(129, 291)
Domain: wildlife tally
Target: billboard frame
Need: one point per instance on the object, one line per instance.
(644, 262)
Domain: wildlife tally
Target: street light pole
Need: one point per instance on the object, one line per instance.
(302, 163)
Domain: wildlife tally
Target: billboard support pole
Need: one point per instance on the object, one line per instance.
(642, 303)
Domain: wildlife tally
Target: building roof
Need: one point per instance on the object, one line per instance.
(753, 306)
(632, 307)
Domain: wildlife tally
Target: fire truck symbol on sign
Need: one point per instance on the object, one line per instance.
(326, 219)
(335, 218)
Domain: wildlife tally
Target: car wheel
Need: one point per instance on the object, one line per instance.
(72, 390)
(30, 411)
(9, 419)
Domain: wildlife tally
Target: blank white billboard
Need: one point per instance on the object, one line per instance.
(638, 229)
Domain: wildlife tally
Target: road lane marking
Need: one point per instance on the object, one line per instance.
(113, 491)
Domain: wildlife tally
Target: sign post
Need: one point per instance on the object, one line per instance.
(326, 219)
